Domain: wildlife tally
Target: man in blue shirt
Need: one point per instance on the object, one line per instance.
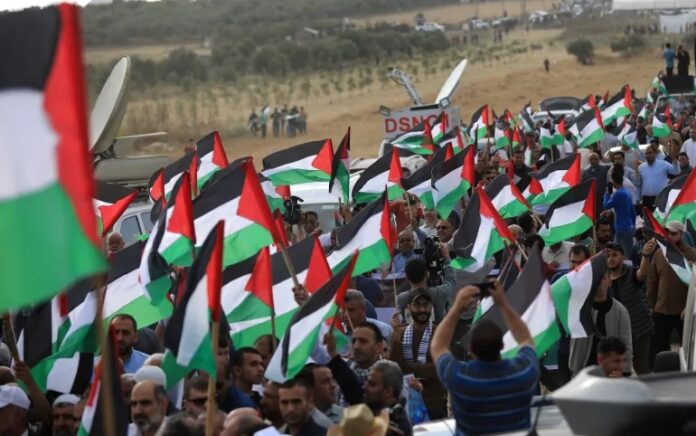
(406, 245)
(624, 212)
(668, 55)
(653, 176)
(489, 394)
(125, 329)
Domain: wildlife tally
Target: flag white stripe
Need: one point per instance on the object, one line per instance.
(302, 164)
(368, 234)
(580, 282)
(538, 316)
(62, 374)
(195, 326)
(566, 214)
(447, 184)
(554, 181)
(123, 291)
(478, 252)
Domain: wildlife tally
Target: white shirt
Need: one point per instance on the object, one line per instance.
(689, 147)
(561, 257)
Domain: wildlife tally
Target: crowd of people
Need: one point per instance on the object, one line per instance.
(286, 122)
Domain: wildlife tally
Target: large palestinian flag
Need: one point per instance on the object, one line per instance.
(212, 157)
(370, 233)
(588, 128)
(107, 373)
(506, 198)
(666, 198)
(571, 214)
(574, 293)
(110, 201)
(304, 163)
(188, 337)
(482, 233)
(620, 105)
(452, 179)
(384, 172)
(48, 228)
(419, 182)
(306, 325)
(530, 296)
(162, 181)
(340, 168)
(480, 121)
(555, 178)
(662, 123)
(684, 206)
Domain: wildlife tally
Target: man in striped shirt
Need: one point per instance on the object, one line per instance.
(489, 394)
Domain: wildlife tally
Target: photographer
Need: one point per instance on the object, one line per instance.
(417, 275)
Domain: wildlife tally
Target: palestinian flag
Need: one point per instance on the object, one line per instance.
(419, 182)
(620, 105)
(516, 138)
(482, 233)
(371, 233)
(247, 300)
(628, 136)
(188, 338)
(684, 205)
(679, 264)
(507, 276)
(212, 157)
(480, 120)
(110, 202)
(560, 130)
(306, 325)
(589, 102)
(555, 178)
(340, 168)
(179, 237)
(574, 293)
(525, 118)
(506, 198)
(236, 197)
(662, 124)
(439, 128)
(384, 172)
(666, 198)
(422, 138)
(501, 135)
(659, 85)
(452, 179)
(531, 297)
(304, 163)
(154, 270)
(588, 128)
(546, 135)
(275, 200)
(571, 214)
(48, 227)
(162, 182)
(107, 373)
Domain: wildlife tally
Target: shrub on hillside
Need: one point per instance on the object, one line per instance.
(582, 49)
(628, 45)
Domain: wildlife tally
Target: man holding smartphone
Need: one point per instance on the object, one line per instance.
(489, 394)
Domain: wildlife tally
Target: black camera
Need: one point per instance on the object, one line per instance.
(293, 210)
(434, 261)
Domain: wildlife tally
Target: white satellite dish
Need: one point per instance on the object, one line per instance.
(451, 83)
(110, 107)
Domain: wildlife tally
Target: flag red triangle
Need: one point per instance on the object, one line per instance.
(219, 155)
(572, 176)
(668, 116)
(181, 221)
(428, 142)
(260, 283)
(449, 153)
(213, 273)
(591, 102)
(283, 191)
(324, 158)
(345, 150)
(318, 272)
(589, 207)
(652, 224)
(598, 117)
(253, 204)
(516, 191)
(469, 168)
(484, 115)
(535, 187)
(628, 99)
(395, 172)
(280, 226)
(193, 173)
(444, 121)
(687, 194)
(386, 229)
(157, 190)
(460, 140)
(488, 210)
(111, 214)
(562, 127)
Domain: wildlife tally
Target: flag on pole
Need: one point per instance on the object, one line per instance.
(684, 206)
(555, 178)
(340, 168)
(110, 201)
(666, 197)
(620, 105)
(588, 128)
(629, 136)
(304, 163)
(162, 181)
(452, 179)
(212, 157)
(506, 198)
(662, 123)
(570, 215)
(48, 226)
(419, 182)
(188, 338)
(480, 120)
(385, 171)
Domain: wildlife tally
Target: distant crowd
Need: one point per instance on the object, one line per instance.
(286, 122)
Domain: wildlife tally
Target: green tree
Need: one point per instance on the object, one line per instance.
(582, 49)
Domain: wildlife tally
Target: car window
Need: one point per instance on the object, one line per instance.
(147, 221)
(326, 213)
(130, 229)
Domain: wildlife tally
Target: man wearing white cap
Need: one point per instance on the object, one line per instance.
(14, 408)
(63, 416)
(665, 291)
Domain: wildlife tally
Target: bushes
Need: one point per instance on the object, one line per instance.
(582, 49)
(628, 45)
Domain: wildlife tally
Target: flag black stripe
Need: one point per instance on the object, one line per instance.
(456, 162)
(292, 154)
(227, 186)
(125, 261)
(347, 232)
(469, 227)
(576, 194)
(496, 185)
(559, 165)
(425, 172)
(663, 196)
(206, 144)
(111, 193)
(378, 167)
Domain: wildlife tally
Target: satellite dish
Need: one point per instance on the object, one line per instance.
(110, 107)
(452, 82)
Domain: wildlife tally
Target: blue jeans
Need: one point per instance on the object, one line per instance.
(625, 239)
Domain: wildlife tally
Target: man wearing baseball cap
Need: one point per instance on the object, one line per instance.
(410, 349)
(665, 291)
(14, 408)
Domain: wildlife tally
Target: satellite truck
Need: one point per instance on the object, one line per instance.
(114, 157)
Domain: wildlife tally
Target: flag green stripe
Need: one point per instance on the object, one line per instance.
(595, 136)
(144, 312)
(427, 199)
(566, 231)
(446, 204)
(394, 192)
(180, 252)
(369, 258)
(245, 243)
(203, 360)
(513, 209)
(297, 357)
(550, 196)
(560, 293)
(250, 309)
(542, 342)
(49, 250)
(297, 177)
(158, 288)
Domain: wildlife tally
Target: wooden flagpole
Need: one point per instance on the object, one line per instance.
(9, 336)
(212, 406)
(105, 391)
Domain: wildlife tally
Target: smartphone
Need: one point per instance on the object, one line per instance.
(485, 288)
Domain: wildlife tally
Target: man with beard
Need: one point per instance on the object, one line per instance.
(410, 349)
(603, 226)
(148, 407)
(296, 403)
(63, 418)
(125, 329)
(382, 390)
